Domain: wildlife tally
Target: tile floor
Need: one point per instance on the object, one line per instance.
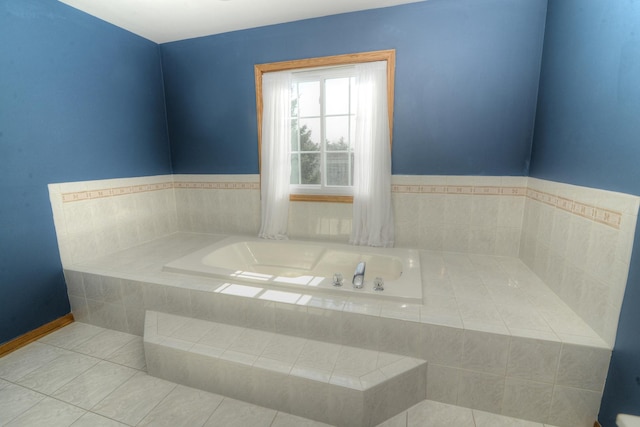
(83, 375)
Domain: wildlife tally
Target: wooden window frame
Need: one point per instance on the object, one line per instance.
(325, 61)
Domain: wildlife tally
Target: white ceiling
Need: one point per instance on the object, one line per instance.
(169, 20)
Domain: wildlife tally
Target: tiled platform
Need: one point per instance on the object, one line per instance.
(112, 390)
(474, 292)
(341, 385)
(495, 337)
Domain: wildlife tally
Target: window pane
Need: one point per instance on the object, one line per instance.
(310, 135)
(295, 171)
(337, 96)
(339, 168)
(310, 168)
(309, 99)
(295, 135)
(337, 131)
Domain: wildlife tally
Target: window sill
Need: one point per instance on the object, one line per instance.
(320, 198)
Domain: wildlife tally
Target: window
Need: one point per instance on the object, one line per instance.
(322, 126)
(323, 122)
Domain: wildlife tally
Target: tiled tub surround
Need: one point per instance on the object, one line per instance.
(494, 336)
(459, 214)
(95, 218)
(579, 242)
(518, 314)
(214, 203)
(549, 225)
(462, 214)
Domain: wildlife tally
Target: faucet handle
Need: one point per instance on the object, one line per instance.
(337, 279)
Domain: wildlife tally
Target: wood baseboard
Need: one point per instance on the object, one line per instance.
(36, 334)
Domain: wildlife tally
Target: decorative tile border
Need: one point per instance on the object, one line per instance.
(116, 191)
(601, 215)
(219, 185)
(143, 188)
(460, 189)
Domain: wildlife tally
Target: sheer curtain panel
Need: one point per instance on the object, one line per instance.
(275, 156)
(372, 210)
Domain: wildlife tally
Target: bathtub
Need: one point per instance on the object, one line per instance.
(308, 266)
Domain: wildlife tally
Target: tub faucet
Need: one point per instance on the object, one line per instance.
(358, 275)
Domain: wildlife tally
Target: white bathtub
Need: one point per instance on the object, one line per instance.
(309, 265)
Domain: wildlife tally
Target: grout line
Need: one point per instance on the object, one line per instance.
(217, 406)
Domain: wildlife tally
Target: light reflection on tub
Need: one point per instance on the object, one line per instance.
(305, 266)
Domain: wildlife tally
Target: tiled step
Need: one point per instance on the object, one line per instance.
(335, 384)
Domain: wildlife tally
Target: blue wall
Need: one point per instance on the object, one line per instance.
(466, 84)
(588, 133)
(79, 99)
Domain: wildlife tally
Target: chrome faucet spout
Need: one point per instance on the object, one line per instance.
(358, 275)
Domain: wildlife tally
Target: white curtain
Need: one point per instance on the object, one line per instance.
(275, 156)
(372, 210)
